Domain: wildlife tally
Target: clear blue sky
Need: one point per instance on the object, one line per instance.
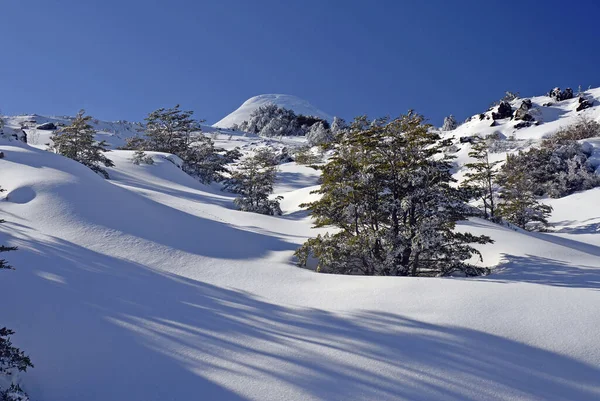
(122, 59)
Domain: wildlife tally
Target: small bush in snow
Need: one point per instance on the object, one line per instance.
(584, 128)
(305, 156)
(140, 157)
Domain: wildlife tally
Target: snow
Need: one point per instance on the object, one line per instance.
(150, 286)
(299, 106)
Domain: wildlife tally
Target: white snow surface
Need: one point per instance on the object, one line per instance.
(151, 286)
(299, 106)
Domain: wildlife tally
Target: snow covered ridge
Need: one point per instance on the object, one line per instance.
(297, 105)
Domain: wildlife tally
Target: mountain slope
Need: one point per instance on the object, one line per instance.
(299, 106)
(150, 287)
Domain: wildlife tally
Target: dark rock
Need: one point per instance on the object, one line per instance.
(504, 111)
(559, 95)
(522, 112)
(493, 124)
(47, 127)
(568, 94)
(584, 104)
(523, 124)
(1, 155)
(466, 139)
(481, 116)
(548, 104)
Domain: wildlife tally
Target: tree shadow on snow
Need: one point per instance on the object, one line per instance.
(546, 271)
(114, 329)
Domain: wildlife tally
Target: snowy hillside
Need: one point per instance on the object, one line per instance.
(151, 286)
(299, 106)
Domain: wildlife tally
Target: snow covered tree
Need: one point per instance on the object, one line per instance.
(266, 156)
(253, 180)
(387, 191)
(559, 166)
(170, 130)
(203, 160)
(140, 157)
(77, 142)
(319, 135)
(519, 205)
(271, 120)
(338, 126)
(480, 178)
(450, 123)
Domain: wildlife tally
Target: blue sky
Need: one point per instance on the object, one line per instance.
(122, 59)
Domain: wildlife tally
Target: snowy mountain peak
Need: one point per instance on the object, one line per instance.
(298, 105)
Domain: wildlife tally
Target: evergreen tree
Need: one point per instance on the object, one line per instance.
(170, 130)
(206, 162)
(481, 177)
(253, 180)
(450, 123)
(519, 205)
(77, 142)
(387, 191)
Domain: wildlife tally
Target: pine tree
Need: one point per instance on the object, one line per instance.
(77, 142)
(450, 123)
(387, 190)
(519, 205)
(170, 130)
(253, 180)
(481, 177)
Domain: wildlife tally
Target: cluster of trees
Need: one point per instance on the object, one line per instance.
(271, 120)
(176, 131)
(387, 189)
(502, 194)
(12, 359)
(558, 167)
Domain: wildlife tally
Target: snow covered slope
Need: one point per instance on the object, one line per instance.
(151, 287)
(299, 106)
(549, 115)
